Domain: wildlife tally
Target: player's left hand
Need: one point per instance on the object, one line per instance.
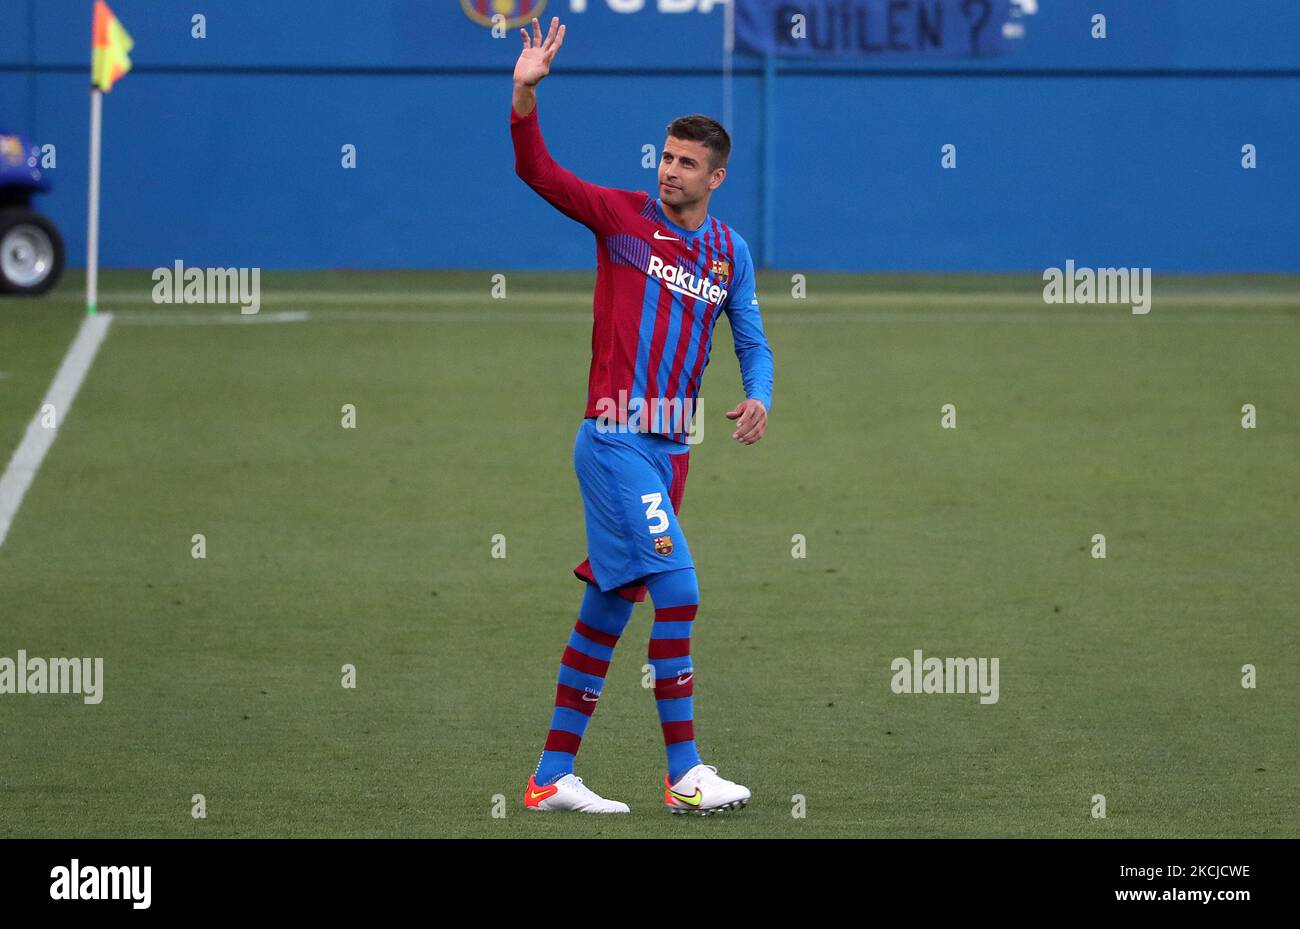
(751, 423)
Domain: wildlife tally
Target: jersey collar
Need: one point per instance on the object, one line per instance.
(663, 218)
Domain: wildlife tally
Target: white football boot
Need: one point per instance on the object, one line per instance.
(700, 790)
(569, 793)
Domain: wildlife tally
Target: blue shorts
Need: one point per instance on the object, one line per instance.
(632, 486)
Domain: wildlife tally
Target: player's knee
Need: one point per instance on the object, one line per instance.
(674, 588)
(607, 612)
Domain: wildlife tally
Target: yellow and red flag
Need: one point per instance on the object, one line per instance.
(112, 45)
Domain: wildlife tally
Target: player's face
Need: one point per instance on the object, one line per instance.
(684, 173)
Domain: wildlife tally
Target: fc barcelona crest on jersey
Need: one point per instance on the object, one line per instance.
(11, 149)
(721, 270)
(516, 12)
(664, 545)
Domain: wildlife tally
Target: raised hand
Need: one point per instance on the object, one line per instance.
(535, 60)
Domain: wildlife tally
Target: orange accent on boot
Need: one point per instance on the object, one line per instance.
(533, 795)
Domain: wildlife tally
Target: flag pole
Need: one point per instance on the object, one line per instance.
(92, 212)
(728, 63)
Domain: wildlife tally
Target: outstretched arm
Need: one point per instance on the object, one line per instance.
(595, 207)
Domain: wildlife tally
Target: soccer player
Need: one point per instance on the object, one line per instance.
(666, 269)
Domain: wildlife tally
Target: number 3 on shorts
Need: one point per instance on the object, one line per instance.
(655, 512)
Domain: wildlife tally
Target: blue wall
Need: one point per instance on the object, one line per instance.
(226, 150)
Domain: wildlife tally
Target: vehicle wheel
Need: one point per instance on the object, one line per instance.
(31, 253)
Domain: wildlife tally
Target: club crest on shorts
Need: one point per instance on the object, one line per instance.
(664, 545)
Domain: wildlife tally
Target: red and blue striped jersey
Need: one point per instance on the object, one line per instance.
(659, 291)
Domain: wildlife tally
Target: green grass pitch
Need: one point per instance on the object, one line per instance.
(372, 547)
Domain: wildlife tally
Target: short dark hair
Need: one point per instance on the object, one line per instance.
(707, 131)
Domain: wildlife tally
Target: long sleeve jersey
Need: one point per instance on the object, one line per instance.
(659, 290)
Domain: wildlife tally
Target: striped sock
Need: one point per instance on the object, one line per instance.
(601, 620)
(676, 596)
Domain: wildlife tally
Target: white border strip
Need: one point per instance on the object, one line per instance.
(184, 318)
(27, 458)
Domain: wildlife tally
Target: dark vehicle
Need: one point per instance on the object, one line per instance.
(31, 249)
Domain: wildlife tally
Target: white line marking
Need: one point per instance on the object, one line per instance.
(986, 298)
(198, 318)
(27, 458)
(1101, 316)
(450, 316)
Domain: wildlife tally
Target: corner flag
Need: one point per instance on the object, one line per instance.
(109, 60)
(112, 44)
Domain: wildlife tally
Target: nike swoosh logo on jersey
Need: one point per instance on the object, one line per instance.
(665, 238)
(693, 801)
